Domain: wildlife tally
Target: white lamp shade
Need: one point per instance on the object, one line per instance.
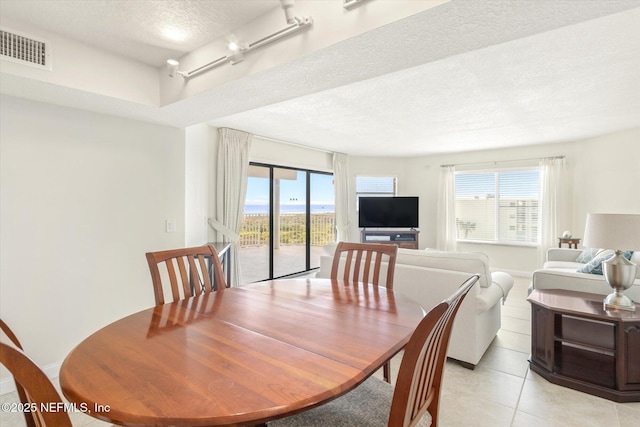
(612, 231)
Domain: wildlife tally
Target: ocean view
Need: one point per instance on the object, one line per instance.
(292, 208)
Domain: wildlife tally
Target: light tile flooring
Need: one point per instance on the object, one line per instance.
(500, 392)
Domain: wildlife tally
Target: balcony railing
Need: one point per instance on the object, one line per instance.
(254, 230)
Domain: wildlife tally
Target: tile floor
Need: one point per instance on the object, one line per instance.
(500, 392)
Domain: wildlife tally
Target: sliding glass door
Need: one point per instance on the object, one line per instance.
(288, 218)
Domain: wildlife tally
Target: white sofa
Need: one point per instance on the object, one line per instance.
(430, 276)
(559, 272)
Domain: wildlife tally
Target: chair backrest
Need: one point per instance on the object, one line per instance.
(420, 376)
(21, 393)
(36, 388)
(361, 258)
(195, 267)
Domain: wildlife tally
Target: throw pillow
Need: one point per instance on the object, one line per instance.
(595, 265)
(587, 255)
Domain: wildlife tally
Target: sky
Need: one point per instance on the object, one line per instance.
(292, 191)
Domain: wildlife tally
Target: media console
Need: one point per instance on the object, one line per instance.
(404, 239)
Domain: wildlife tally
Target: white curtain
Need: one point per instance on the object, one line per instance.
(341, 185)
(233, 166)
(446, 221)
(551, 203)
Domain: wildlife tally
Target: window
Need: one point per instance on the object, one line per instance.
(498, 206)
(375, 186)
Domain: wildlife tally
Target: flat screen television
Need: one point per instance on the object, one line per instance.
(388, 212)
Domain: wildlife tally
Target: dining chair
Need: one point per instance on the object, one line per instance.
(363, 259)
(194, 265)
(21, 393)
(32, 384)
(359, 261)
(415, 400)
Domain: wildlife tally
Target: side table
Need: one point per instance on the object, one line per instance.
(569, 241)
(575, 343)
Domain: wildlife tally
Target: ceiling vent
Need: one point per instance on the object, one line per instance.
(25, 50)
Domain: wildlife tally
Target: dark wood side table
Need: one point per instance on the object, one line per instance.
(577, 344)
(569, 241)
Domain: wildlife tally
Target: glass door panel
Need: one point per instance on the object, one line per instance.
(289, 216)
(253, 248)
(290, 221)
(322, 220)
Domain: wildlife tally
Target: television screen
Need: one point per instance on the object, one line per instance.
(388, 212)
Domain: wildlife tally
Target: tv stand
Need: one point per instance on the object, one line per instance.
(407, 239)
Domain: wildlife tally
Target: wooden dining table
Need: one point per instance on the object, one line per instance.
(240, 356)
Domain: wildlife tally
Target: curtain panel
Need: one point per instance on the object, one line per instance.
(341, 185)
(231, 189)
(552, 209)
(446, 219)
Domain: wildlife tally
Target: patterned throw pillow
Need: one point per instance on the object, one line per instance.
(587, 255)
(595, 265)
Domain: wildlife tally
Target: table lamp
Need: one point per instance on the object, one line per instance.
(619, 232)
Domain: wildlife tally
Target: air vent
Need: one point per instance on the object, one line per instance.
(26, 50)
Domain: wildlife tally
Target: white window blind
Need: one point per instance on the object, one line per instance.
(498, 206)
(375, 186)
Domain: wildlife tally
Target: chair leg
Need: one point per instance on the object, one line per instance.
(386, 371)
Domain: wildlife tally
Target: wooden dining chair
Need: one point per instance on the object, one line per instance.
(362, 262)
(21, 393)
(189, 271)
(32, 384)
(415, 400)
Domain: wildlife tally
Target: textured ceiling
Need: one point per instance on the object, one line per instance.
(149, 31)
(570, 83)
(467, 75)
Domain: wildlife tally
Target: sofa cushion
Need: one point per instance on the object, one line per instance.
(563, 264)
(467, 262)
(595, 265)
(587, 255)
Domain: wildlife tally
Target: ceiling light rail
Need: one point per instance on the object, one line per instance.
(238, 50)
(348, 4)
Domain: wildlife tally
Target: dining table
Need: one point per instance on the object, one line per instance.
(240, 356)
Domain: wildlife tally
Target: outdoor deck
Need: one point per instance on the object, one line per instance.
(254, 261)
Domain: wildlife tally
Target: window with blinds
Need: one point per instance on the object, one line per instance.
(498, 206)
(375, 186)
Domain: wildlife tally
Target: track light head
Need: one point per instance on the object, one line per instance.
(287, 6)
(172, 66)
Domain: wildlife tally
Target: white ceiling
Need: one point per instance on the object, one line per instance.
(149, 31)
(468, 75)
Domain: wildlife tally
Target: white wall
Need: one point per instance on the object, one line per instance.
(80, 66)
(201, 142)
(607, 177)
(83, 197)
(272, 152)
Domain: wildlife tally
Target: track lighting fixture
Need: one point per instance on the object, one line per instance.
(238, 50)
(172, 66)
(287, 6)
(348, 4)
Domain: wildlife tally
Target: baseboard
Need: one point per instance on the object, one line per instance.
(517, 273)
(7, 385)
